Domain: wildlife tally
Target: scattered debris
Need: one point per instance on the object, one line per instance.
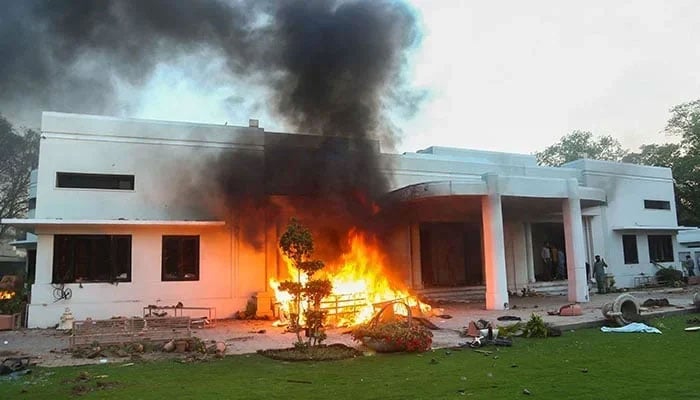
(85, 383)
(527, 392)
(299, 381)
(426, 323)
(14, 364)
(509, 317)
(242, 338)
(568, 310)
(656, 303)
(630, 328)
(623, 310)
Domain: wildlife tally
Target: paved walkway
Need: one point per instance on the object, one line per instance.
(242, 337)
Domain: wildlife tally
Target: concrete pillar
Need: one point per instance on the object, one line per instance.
(575, 245)
(416, 267)
(494, 254)
(529, 255)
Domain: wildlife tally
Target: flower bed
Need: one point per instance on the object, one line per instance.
(394, 336)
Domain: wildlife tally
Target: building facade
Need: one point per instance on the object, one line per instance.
(114, 225)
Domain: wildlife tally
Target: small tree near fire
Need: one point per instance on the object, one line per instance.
(297, 244)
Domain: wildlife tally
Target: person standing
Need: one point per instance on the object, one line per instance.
(546, 255)
(690, 265)
(599, 273)
(561, 270)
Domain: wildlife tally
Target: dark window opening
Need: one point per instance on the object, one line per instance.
(91, 258)
(180, 258)
(94, 181)
(660, 248)
(629, 249)
(657, 204)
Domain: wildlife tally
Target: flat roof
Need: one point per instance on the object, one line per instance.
(650, 228)
(41, 222)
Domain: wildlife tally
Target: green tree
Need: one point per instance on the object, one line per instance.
(297, 244)
(578, 144)
(658, 155)
(683, 158)
(19, 153)
(685, 122)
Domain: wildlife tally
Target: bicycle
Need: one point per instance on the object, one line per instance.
(60, 292)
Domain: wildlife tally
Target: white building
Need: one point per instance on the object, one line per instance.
(113, 228)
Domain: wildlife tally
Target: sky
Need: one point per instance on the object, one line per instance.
(511, 76)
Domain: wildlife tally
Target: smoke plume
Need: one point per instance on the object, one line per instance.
(331, 68)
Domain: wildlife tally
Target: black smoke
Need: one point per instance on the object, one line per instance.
(331, 69)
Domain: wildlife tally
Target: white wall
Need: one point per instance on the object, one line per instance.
(173, 181)
(228, 277)
(627, 186)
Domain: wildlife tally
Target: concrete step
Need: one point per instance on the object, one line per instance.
(465, 294)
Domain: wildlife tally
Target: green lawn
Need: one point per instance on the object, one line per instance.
(620, 366)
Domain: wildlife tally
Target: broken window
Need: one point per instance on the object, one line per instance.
(180, 258)
(91, 258)
(629, 249)
(94, 181)
(660, 248)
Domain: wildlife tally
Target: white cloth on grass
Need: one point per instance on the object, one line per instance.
(633, 327)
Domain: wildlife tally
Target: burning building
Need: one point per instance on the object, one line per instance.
(131, 213)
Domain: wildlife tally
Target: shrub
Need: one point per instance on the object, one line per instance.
(397, 335)
(668, 276)
(535, 327)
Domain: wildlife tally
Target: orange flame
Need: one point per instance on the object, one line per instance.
(6, 294)
(360, 284)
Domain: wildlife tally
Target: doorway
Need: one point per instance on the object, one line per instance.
(451, 254)
(551, 235)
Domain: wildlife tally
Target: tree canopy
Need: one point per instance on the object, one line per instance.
(579, 144)
(19, 152)
(683, 158)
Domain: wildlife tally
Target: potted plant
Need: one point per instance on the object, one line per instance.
(10, 309)
(394, 335)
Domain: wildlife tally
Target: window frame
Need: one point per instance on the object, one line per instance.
(670, 257)
(89, 259)
(182, 239)
(63, 181)
(628, 259)
(657, 204)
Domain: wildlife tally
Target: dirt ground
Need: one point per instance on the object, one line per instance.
(50, 346)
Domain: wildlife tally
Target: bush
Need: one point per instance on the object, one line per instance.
(13, 305)
(397, 335)
(536, 327)
(668, 276)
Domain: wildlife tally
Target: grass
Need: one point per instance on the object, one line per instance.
(619, 366)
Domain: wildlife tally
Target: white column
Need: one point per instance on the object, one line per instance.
(494, 254)
(416, 267)
(575, 245)
(530, 259)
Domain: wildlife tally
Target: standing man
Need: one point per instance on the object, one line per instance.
(546, 258)
(561, 270)
(599, 273)
(690, 265)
